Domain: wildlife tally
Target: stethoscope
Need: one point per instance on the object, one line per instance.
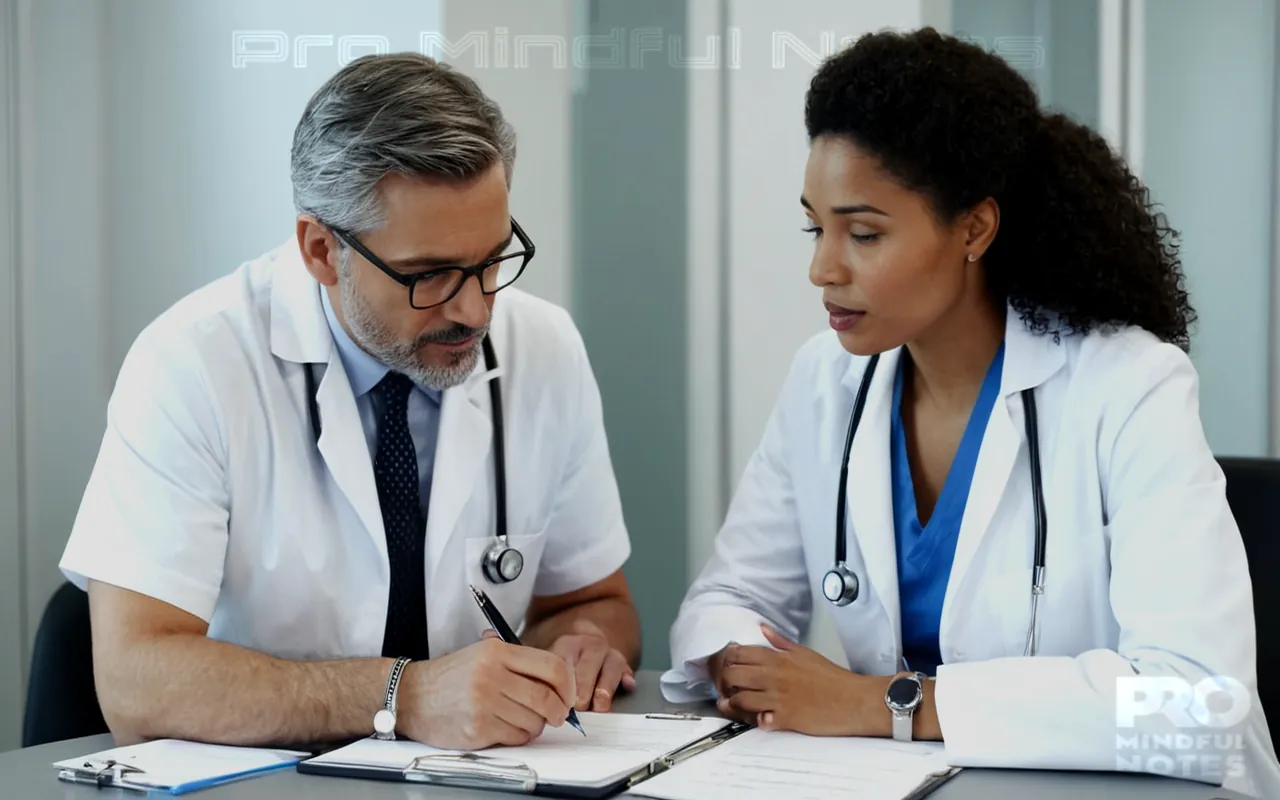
(501, 563)
(840, 584)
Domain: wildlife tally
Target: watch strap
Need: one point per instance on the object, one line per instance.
(393, 683)
(904, 717)
(384, 721)
(902, 722)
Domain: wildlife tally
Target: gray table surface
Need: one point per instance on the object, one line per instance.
(28, 774)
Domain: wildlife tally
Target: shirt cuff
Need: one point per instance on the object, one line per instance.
(707, 631)
(677, 687)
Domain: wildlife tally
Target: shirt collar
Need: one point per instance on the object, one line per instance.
(364, 372)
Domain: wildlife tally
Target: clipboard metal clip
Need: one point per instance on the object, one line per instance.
(103, 774)
(473, 771)
(690, 750)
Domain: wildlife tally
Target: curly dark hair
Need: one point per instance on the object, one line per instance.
(1078, 236)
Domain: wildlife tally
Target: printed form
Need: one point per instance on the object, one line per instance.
(760, 765)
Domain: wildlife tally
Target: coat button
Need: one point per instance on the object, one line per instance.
(885, 657)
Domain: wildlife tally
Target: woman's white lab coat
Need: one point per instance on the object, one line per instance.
(1146, 574)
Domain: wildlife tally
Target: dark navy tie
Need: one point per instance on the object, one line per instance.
(395, 468)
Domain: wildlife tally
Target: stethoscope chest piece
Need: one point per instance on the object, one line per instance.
(502, 564)
(840, 585)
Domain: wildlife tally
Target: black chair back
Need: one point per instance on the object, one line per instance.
(61, 700)
(1253, 492)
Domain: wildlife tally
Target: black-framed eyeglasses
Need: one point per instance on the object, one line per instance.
(439, 285)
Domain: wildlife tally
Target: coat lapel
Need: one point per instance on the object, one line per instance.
(300, 334)
(346, 451)
(462, 451)
(870, 493)
(1030, 359)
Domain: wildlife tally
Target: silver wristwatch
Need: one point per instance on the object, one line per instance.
(904, 695)
(384, 722)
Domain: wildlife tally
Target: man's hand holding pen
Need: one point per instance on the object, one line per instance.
(489, 693)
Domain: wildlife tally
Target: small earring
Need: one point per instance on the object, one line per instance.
(973, 257)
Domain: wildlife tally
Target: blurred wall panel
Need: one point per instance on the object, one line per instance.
(630, 280)
(64, 271)
(1208, 107)
(527, 66)
(13, 650)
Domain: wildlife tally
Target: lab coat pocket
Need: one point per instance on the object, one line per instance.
(513, 597)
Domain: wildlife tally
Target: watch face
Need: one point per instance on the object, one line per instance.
(384, 722)
(903, 692)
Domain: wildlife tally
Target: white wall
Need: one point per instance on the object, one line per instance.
(751, 242)
(534, 85)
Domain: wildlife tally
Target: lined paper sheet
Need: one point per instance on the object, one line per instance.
(761, 765)
(615, 746)
(168, 763)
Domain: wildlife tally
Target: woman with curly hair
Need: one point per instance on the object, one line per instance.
(1006, 388)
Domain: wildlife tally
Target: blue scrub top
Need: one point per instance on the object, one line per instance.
(925, 554)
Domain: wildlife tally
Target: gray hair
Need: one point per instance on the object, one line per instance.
(403, 113)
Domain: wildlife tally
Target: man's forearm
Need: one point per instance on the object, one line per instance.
(187, 686)
(617, 617)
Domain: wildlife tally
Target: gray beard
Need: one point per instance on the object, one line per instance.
(373, 337)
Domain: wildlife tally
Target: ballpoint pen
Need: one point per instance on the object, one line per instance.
(507, 635)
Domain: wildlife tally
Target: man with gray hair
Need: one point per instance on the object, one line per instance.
(317, 469)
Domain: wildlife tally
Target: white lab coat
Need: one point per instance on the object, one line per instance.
(211, 494)
(1145, 570)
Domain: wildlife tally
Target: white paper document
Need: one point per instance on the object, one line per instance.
(760, 765)
(181, 766)
(615, 746)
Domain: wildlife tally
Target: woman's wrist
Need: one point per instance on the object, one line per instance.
(925, 726)
(877, 720)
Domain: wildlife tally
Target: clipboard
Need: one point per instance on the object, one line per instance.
(109, 773)
(930, 784)
(495, 772)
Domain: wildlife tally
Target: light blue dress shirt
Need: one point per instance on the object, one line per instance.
(364, 372)
(925, 553)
